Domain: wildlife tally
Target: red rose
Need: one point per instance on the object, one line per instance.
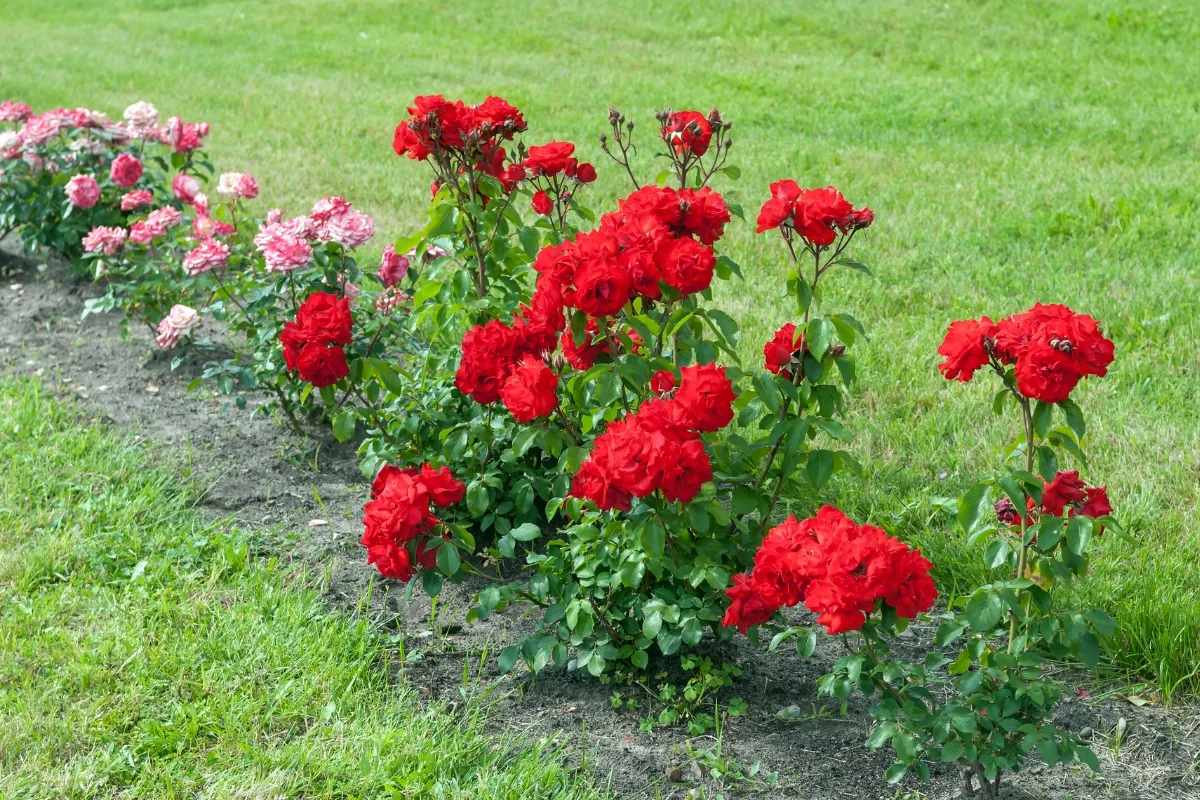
(591, 483)
(559, 261)
(541, 203)
(688, 132)
(530, 391)
(965, 348)
(1065, 489)
(500, 115)
(444, 489)
(125, 170)
(602, 288)
(819, 213)
(325, 319)
(746, 606)
(705, 397)
(583, 356)
(481, 378)
(704, 214)
(550, 159)
(1096, 504)
(322, 366)
(586, 173)
(1053, 348)
(683, 476)
(662, 381)
(686, 265)
(781, 349)
(779, 208)
(391, 561)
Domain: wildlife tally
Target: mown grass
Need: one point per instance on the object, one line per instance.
(1014, 150)
(148, 653)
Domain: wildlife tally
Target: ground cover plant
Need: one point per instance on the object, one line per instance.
(152, 652)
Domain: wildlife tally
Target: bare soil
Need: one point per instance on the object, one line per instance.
(305, 499)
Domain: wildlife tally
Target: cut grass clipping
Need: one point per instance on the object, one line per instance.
(148, 653)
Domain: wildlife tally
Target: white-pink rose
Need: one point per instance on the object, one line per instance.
(12, 111)
(237, 185)
(274, 216)
(389, 299)
(141, 116)
(208, 254)
(83, 191)
(185, 188)
(176, 325)
(104, 240)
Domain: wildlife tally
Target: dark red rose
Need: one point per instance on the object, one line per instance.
(1064, 490)
(781, 349)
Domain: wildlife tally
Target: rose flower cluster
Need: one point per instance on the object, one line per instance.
(818, 215)
(398, 520)
(1066, 495)
(840, 571)
(313, 343)
(503, 362)
(658, 447)
(657, 235)
(470, 135)
(1052, 347)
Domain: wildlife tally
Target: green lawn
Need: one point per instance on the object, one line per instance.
(150, 654)
(1013, 150)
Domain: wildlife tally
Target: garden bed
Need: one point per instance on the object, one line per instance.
(284, 487)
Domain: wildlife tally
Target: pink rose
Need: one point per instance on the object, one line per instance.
(350, 229)
(176, 325)
(10, 144)
(185, 188)
(104, 240)
(392, 267)
(283, 253)
(389, 299)
(208, 254)
(83, 191)
(329, 207)
(136, 199)
(274, 217)
(125, 170)
(12, 111)
(41, 129)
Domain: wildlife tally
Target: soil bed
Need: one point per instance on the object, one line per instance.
(305, 498)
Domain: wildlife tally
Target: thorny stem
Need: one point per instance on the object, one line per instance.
(286, 405)
(568, 426)
(1022, 558)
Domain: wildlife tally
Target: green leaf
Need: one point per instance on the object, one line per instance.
(508, 658)
(448, 560)
(652, 624)
(984, 610)
(880, 736)
(951, 750)
(654, 539)
(971, 505)
(343, 426)
(896, 772)
(1102, 622)
(996, 554)
(529, 240)
(804, 294)
(733, 172)
(1048, 750)
(1043, 418)
(819, 468)
(526, 532)
(1073, 416)
(819, 336)
(1085, 754)
(856, 265)
(1089, 650)
(1079, 533)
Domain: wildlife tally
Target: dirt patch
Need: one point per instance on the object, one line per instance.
(306, 499)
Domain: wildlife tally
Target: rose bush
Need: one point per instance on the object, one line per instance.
(548, 400)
